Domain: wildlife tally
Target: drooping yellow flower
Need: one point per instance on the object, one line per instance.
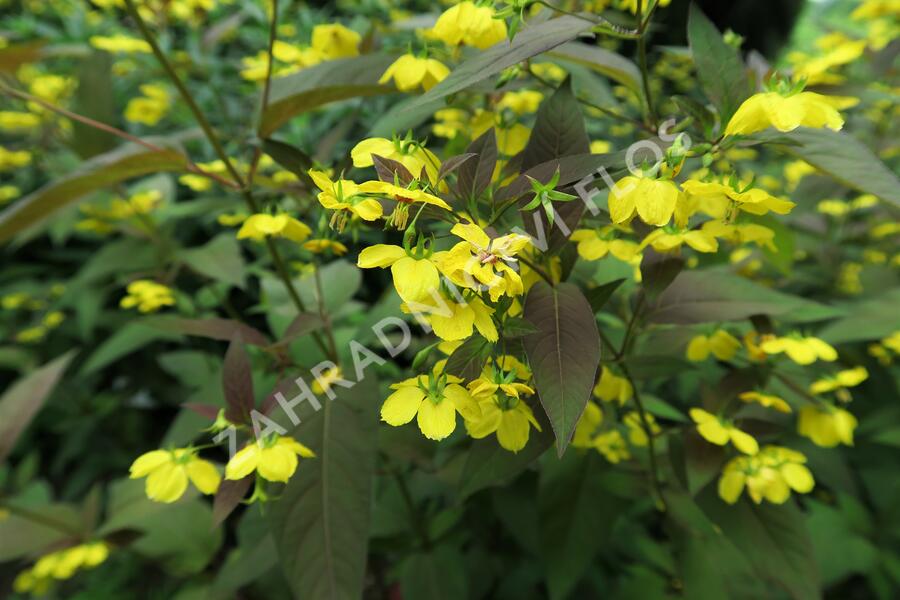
(841, 380)
(481, 261)
(613, 388)
(120, 43)
(637, 433)
(469, 24)
(168, 472)
(653, 200)
(322, 245)
(454, 320)
(669, 238)
(148, 296)
(333, 41)
(752, 200)
(405, 197)
(345, 199)
(13, 159)
(410, 72)
(826, 426)
(503, 411)
(632, 5)
(8, 192)
(588, 423)
(411, 154)
(260, 226)
(721, 344)
(874, 9)
(719, 432)
(274, 458)
(523, 102)
(433, 400)
(767, 400)
(771, 475)
(512, 136)
(816, 71)
(784, 113)
(594, 244)
(415, 278)
(61, 564)
(151, 107)
(14, 121)
(801, 350)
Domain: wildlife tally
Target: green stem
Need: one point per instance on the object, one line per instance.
(267, 86)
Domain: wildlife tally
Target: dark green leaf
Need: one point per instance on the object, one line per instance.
(237, 383)
(290, 157)
(658, 271)
(720, 68)
(714, 295)
(605, 62)
(321, 521)
(467, 360)
(558, 130)
(437, 574)
(598, 296)
(475, 175)
(219, 259)
(326, 82)
(106, 169)
(564, 354)
(213, 328)
(94, 99)
(124, 341)
(871, 319)
(24, 398)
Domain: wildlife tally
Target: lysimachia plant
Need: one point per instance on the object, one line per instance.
(492, 300)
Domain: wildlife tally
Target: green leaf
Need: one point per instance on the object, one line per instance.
(713, 295)
(106, 169)
(212, 328)
(94, 99)
(326, 82)
(563, 354)
(435, 574)
(528, 43)
(220, 259)
(658, 271)
(474, 176)
(720, 68)
(842, 157)
(774, 540)
(605, 62)
(133, 336)
(290, 157)
(181, 536)
(24, 398)
(340, 281)
(321, 521)
(871, 319)
(558, 130)
(488, 464)
(576, 513)
(468, 359)
(600, 295)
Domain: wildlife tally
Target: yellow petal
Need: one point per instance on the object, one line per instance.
(731, 484)
(798, 477)
(363, 151)
(415, 279)
(513, 430)
(379, 255)
(743, 441)
(203, 475)
(243, 462)
(277, 463)
(401, 406)
(462, 401)
(167, 483)
(146, 463)
(437, 421)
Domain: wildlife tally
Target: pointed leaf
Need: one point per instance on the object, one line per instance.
(475, 175)
(237, 383)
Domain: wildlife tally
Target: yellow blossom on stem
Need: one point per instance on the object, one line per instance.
(719, 432)
(768, 475)
(454, 319)
(595, 244)
(409, 153)
(720, 344)
(433, 400)
(260, 226)
(481, 261)
(801, 350)
(767, 400)
(274, 458)
(470, 24)
(333, 40)
(148, 296)
(168, 472)
(826, 425)
(784, 113)
(841, 380)
(653, 200)
(410, 72)
(613, 388)
(345, 199)
(416, 277)
(321, 245)
(751, 200)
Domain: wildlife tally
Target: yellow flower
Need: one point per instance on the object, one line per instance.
(324, 381)
(667, 239)
(148, 296)
(120, 43)
(469, 24)
(410, 72)
(801, 350)
(512, 137)
(874, 9)
(632, 5)
(721, 344)
(62, 564)
(53, 319)
(767, 400)
(654, 200)
(482, 260)
(231, 219)
(168, 472)
(601, 147)
(452, 320)
(13, 159)
(612, 388)
(433, 400)
(344, 196)
(611, 444)
(502, 409)
(405, 197)
(719, 432)
(826, 426)
(320, 246)
(771, 475)
(523, 102)
(411, 154)
(595, 244)
(637, 435)
(841, 380)
(753, 200)
(150, 108)
(415, 279)
(8, 192)
(274, 458)
(784, 113)
(260, 226)
(332, 41)
(18, 121)
(816, 70)
(588, 423)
